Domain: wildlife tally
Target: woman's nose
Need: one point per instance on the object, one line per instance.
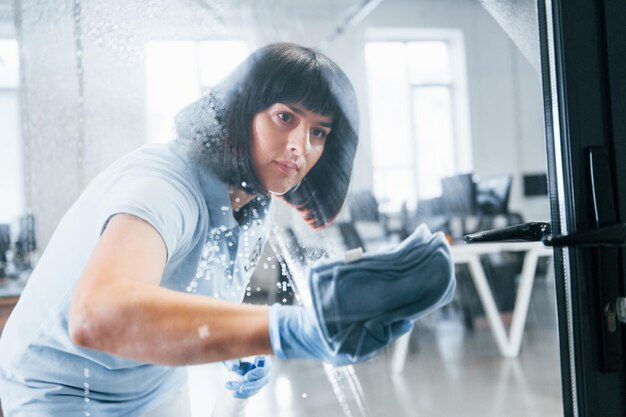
(299, 141)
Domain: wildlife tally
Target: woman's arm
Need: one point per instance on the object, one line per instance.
(119, 308)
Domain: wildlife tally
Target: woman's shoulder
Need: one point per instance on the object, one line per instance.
(154, 166)
(159, 160)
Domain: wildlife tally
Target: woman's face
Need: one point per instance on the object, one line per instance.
(287, 141)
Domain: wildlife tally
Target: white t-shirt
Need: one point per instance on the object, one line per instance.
(42, 373)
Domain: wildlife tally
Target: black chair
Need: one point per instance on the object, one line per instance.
(492, 195)
(364, 206)
(458, 195)
(367, 224)
(350, 236)
(491, 205)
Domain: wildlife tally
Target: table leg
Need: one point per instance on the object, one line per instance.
(489, 305)
(522, 301)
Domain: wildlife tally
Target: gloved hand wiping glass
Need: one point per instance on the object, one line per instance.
(361, 306)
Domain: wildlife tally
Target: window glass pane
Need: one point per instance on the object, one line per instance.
(432, 115)
(217, 58)
(102, 78)
(11, 177)
(390, 124)
(172, 82)
(428, 62)
(178, 72)
(9, 64)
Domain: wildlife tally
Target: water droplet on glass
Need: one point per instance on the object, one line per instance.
(304, 395)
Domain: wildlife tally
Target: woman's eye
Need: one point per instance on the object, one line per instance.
(319, 133)
(285, 117)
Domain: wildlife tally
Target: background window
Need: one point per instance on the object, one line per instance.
(416, 141)
(11, 175)
(179, 72)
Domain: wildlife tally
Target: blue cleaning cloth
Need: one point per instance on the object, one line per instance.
(355, 302)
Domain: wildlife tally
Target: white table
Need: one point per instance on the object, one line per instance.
(508, 344)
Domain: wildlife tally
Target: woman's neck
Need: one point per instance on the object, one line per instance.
(239, 198)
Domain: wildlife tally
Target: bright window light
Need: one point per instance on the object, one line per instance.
(9, 64)
(179, 72)
(428, 62)
(218, 58)
(414, 101)
(11, 168)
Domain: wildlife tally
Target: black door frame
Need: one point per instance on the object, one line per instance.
(583, 48)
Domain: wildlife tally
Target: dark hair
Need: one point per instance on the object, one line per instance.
(219, 125)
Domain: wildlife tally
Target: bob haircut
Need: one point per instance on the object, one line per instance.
(219, 125)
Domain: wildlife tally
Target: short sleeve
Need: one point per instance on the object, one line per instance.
(167, 205)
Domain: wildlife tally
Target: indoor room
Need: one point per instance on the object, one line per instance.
(451, 136)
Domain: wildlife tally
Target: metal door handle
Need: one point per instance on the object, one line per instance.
(607, 236)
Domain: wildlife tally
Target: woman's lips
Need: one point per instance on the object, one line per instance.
(288, 168)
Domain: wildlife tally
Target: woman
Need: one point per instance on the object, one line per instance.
(112, 312)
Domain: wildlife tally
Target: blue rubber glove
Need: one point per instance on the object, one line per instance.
(255, 376)
(295, 333)
(354, 301)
